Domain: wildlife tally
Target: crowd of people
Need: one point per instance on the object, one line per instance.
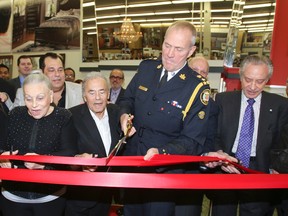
(46, 112)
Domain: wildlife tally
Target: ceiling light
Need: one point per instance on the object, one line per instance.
(88, 4)
(127, 33)
(257, 6)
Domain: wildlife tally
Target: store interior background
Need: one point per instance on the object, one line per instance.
(211, 18)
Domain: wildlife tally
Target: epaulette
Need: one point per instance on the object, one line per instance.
(203, 79)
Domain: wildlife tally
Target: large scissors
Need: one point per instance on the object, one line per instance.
(122, 141)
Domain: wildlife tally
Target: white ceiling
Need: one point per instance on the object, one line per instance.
(256, 14)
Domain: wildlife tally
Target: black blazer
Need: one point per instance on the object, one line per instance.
(88, 136)
(16, 82)
(273, 116)
(121, 94)
(8, 88)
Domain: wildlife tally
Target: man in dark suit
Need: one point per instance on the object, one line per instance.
(116, 81)
(98, 131)
(7, 90)
(270, 114)
(25, 66)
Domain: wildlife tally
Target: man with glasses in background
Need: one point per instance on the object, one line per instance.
(69, 74)
(116, 81)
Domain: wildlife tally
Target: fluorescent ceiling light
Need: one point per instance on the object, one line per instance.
(91, 33)
(194, 1)
(150, 4)
(88, 4)
(110, 8)
(260, 30)
(256, 15)
(259, 25)
(221, 10)
(89, 28)
(220, 22)
(89, 19)
(257, 6)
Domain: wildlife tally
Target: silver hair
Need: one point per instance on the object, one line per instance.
(36, 78)
(186, 25)
(256, 60)
(93, 75)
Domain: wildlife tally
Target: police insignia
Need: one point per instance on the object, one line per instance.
(159, 66)
(182, 76)
(201, 114)
(204, 96)
(143, 88)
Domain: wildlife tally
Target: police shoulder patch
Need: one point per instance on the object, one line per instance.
(204, 96)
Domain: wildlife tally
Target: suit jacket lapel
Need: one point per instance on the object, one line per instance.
(113, 119)
(92, 129)
(264, 120)
(235, 106)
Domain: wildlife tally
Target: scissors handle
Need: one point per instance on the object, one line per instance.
(128, 126)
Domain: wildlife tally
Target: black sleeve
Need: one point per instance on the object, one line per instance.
(68, 140)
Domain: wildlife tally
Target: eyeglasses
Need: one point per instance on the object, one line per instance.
(116, 77)
(69, 76)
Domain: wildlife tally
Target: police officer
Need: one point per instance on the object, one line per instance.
(169, 119)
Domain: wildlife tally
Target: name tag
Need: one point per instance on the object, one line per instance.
(143, 88)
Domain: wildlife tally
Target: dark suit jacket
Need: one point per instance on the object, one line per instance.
(3, 127)
(273, 115)
(80, 199)
(209, 144)
(121, 95)
(8, 88)
(88, 136)
(16, 82)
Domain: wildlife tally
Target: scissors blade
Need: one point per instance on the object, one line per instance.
(115, 149)
(121, 141)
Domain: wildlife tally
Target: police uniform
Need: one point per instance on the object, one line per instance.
(171, 118)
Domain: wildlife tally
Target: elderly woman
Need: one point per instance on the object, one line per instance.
(36, 129)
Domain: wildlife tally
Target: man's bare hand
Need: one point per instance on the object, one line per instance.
(150, 153)
(126, 122)
(225, 166)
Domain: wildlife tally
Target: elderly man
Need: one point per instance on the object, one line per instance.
(200, 65)
(249, 126)
(166, 115)
(98, 131)
(116, 81)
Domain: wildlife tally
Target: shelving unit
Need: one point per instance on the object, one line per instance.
(32, 17)
(18, 28)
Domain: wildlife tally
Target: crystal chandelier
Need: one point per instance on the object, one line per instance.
(127, 33)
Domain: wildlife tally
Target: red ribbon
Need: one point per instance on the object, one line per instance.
(138, 180)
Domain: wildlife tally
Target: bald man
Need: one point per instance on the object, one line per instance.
(200, 65)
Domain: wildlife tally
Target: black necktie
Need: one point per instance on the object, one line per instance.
(163, 79)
